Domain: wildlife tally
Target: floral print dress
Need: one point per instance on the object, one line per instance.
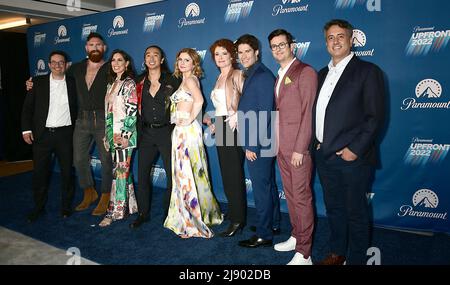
(193, 207)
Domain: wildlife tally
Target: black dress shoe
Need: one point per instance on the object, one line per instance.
(255, 241)
(139, 221)
(34, 215)
(275, 231)
(232, 230)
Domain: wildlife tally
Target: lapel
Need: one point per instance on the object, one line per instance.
(275, 90)
(71, 96)
(289, 74)
(250, 75)
(345, 77)
(46, 93)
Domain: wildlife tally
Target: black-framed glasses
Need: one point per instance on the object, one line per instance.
(279, 46)
(54, 63)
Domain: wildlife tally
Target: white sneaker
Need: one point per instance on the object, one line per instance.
(288, 245)
(298, 259)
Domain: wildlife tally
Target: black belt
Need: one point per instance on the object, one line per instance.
(154, 125)
(52, 130)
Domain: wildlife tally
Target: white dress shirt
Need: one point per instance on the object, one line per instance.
(281, 73)
(58, 109)
(334, 73)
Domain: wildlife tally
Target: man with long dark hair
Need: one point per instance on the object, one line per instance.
(154, 88)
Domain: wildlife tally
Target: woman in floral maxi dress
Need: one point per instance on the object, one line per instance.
(193, 207)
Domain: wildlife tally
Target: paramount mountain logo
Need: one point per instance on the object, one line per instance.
(425, 198)
(40, 64)
(118, 22)
(40, 68)
(426, 40)
(86, 30)
(301, 49)
(424, 151)
(371, 5)
(426, 90)
(289, 6)
(62, 31)
(192, 10)
(192, 13)
(62, 35)
(118, 27)
(424, 202)
(152, 22)
(39, 39)
(359, 40)
(238, 9)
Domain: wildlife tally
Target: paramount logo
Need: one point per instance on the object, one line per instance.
(293, 7)
(427, 89)
(118, 23)
(62, 35)
(423, 201)
(40, 68)
(359, 40)
(192, 11)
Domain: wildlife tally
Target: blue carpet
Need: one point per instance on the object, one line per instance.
(153, 244)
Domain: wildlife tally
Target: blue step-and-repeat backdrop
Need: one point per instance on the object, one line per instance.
(406, 38)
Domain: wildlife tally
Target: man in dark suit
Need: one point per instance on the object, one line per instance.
(48, 116)
(295, 91)
(347, 115)
(256, 104)
(90, 77)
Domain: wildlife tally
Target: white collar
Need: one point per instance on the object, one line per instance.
(341, 64)
(286, 68)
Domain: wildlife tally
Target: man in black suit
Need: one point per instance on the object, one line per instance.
(347, 115)
(48, 116)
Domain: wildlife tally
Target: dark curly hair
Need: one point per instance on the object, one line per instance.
(128, 71)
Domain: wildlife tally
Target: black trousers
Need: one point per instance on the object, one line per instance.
(345, 185)
(231, 160)
(58, 142)
(152, 142)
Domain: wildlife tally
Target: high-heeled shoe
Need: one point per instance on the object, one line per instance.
(233, 228)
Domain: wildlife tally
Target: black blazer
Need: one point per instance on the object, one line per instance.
(36, 105)
(355, 111)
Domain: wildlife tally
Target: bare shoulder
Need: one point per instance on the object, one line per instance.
(191, 83)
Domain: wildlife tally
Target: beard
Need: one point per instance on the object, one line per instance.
(95, 55)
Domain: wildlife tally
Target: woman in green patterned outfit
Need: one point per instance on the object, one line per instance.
(120, 137)
(193, 207)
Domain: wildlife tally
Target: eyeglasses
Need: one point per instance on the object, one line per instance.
(278, 46)
(54, 63)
